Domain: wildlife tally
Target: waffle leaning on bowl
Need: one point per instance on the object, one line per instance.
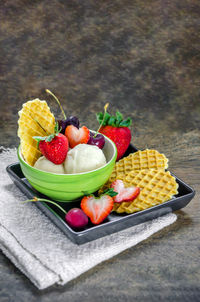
(65, 161)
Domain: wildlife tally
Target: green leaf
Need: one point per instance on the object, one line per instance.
(39, 138)
(106, 119)
(119, 118)
(99, 117)
(115, 121)
(110, 192)
(56, 127)
(44, 138)
(112, 121)
(126, 123)
(49, 138)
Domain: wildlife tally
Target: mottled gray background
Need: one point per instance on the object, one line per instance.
(143, 57)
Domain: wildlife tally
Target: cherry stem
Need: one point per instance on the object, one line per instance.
(105, 110)
(51, 93)
(35, 199)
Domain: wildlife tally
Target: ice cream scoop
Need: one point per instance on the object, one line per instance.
(46, 165)
(84, 158)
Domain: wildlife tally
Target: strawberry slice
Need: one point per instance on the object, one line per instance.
(77, 136)
(124, 194)
(97, 208)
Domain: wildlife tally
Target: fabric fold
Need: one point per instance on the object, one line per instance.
(41, 251)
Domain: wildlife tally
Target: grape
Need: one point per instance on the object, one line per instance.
(76, 218)
(72, 120)
(98, 141)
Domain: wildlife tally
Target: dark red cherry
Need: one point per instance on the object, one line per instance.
(72, 120)
(76, 218)
(98, 140)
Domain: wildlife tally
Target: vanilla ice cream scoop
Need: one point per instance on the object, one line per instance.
(84, 158)
(46, 165)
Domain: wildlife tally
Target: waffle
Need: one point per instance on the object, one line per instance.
(140, 160)
(35, 119)
(157, 186)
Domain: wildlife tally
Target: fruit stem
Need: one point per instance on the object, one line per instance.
(45, 200)
(105, 110)
(51, 93)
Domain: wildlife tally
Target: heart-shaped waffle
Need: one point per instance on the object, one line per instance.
(156, 187)
(140, 160)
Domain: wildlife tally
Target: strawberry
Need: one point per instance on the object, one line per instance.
(116, 129)
(77, 136)
(97, 208)
(54, 147)
(124, 194)
(121, 136)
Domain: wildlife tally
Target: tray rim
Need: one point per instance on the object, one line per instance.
(122, 217)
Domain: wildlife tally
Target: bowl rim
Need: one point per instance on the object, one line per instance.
(21, 159)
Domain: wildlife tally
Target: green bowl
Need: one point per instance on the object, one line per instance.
(68, 187)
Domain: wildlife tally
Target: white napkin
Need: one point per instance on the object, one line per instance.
(41, 251)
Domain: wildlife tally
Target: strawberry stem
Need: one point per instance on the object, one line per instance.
(49, 137)
(110, 192)
(51, 93)
(35, 199)
(105, 110)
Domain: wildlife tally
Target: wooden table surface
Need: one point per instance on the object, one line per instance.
(143, 58)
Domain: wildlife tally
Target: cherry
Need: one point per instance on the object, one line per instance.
(75, 218)
(72, 120)
(97, 140)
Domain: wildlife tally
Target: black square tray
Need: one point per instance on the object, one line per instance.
(114, 222)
